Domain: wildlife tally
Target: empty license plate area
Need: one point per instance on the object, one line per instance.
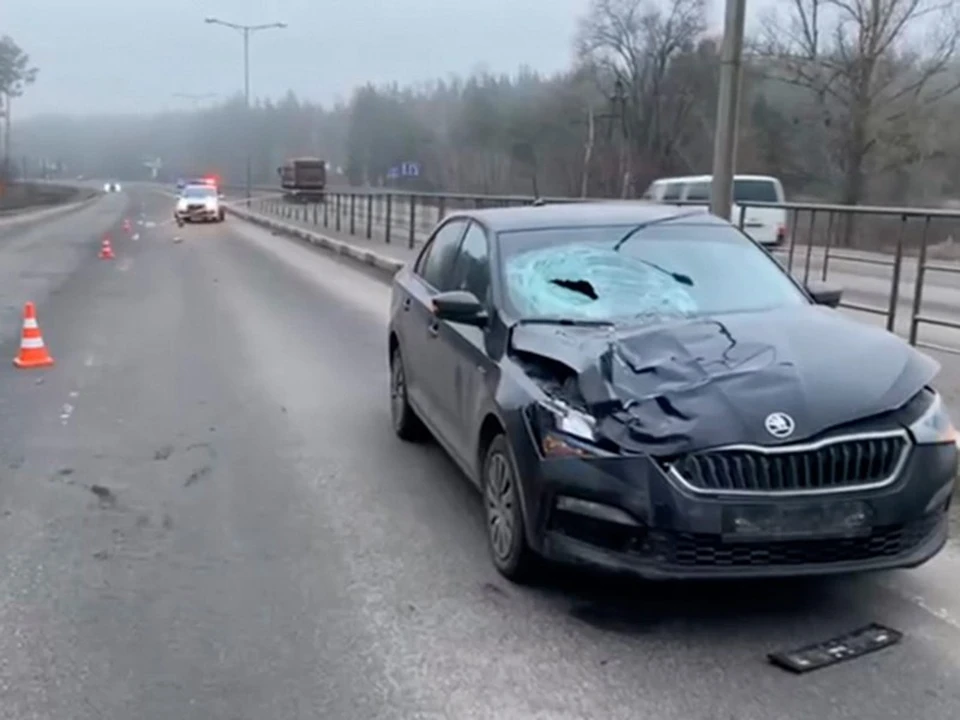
(764, 522)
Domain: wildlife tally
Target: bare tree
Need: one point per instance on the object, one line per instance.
(637, 43)
(867, 69)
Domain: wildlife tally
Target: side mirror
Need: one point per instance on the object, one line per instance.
(460, 306)
(825, 293)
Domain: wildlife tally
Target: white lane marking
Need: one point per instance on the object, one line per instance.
(125, 264)
(149, 224)
(939, 613)
(90, 361)
(65, 413)
(136, 236)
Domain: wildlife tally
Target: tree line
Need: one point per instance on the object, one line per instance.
(16, 73)
(845, 100)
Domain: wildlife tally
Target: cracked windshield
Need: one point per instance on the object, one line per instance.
(479, 360)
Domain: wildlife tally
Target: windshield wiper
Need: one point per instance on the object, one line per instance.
(650, 223)
(565, 321)
(677, 277)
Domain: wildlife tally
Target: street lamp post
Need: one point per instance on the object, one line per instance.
(246, 31)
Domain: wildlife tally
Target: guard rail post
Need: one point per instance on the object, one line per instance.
(413, 221)
(895, 280)
(353, 214)
(369, 215)
(338, 212)
(918, 284)
(389, 218)
(826, 249)
(806, 263)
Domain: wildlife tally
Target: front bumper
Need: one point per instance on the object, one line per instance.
(678, 534)
(203, 214)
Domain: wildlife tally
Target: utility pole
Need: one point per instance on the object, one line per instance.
(728, 109)
(246, 31)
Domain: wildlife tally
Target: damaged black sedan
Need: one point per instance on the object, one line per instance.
(644, 389)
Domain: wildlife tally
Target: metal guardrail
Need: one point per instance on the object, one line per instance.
(410, 217)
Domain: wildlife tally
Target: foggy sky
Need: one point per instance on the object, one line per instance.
(135, 55)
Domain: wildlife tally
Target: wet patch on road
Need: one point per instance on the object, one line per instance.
(106, 496)
(163, 453)
(197, 475)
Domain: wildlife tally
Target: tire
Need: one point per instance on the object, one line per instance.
(221, 217)
(506, 529)
(406, 424)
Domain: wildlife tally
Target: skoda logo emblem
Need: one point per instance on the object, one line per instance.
(780, 425)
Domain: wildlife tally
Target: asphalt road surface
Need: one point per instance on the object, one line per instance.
(204, 515)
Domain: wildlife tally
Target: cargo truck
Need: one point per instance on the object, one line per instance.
(303, 179)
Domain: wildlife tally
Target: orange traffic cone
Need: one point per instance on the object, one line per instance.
(106, 250)
(33, 353)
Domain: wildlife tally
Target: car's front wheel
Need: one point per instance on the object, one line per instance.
(406, 424)
(506, 529)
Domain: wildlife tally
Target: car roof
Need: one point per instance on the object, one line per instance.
(587, 214)
(709, 178)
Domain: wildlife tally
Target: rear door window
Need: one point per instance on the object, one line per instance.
(698, 191)
(754, 191)
(672, 191)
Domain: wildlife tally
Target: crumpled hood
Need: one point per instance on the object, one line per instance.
(671, 388)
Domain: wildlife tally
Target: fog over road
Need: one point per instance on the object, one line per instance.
(205, 515)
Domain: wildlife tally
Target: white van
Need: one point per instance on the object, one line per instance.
(768, 226)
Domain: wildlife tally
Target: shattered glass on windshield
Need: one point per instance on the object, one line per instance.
(592, 282)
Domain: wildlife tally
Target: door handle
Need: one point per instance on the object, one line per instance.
(406, 304)
(434, 329)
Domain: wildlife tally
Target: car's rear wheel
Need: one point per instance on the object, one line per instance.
(506, 529)
(406, 424)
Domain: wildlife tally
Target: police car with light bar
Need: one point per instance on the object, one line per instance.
(199, 203)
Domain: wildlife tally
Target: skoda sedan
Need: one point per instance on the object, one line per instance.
(644, 389)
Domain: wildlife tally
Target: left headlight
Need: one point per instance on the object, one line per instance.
(564, 431)
(934, 426)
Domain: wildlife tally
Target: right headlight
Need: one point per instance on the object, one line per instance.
(564, 431)
(934, 426)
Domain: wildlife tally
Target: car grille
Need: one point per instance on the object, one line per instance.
(847, 463)
(194, 208)
(690, 550)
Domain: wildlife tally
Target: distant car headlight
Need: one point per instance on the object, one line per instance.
(565, 431)
(934, 426)
(106, 187)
